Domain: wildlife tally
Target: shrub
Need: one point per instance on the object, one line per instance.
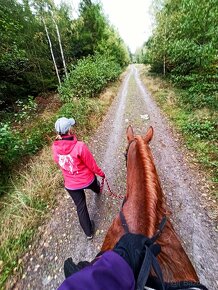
(202, 129)
(15, 145)
(89, 77)
(11, 144)
(26, 109)
(200, 90)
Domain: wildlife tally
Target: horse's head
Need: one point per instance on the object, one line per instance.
(147, 138)
(131, 138)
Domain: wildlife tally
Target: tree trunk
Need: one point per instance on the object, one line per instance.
(60, 44)
(52, 54)
(164, 57)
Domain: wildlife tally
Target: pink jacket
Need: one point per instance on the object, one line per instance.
(76, 162)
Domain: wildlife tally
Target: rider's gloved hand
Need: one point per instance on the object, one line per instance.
(132, 248)
(71, 268)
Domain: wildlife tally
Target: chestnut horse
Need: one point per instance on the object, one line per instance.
(144, 209)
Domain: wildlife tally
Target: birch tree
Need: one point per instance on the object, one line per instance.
(41, 7)
(51, 4)
(51, 49)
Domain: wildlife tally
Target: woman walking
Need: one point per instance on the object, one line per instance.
(79, 169)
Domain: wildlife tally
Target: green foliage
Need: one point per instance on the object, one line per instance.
(185, 47)
(93, 34)
(202, 129)
(26, 66)
(79, 109)
(89, 28)
(185, 35)
(200, 90)
(15, 145)
(89, 77)
(113, 46)
(26, 109)
(11, 144)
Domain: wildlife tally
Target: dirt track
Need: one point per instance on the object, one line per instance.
(62, 236)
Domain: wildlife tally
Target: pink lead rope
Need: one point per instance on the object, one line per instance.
(120, 196)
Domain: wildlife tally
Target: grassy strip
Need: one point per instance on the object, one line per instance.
(198, 127)
(34, 193)
(26, 205)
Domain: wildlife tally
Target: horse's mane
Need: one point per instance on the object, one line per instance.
(172, 254)
(155, 201)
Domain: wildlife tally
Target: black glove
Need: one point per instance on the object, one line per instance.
(132, 248)
(70, 267)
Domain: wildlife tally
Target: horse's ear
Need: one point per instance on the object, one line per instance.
(148, 136)
(129, 133)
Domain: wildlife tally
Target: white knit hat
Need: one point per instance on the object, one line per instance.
(62, 125)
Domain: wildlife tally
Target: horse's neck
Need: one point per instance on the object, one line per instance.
(141, 201)
(135, 186)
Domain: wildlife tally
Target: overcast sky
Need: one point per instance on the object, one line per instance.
(130, 17)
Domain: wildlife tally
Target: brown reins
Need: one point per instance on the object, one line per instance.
(111, 193)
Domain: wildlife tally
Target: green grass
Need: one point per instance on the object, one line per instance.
(7, 253)
(26, 205)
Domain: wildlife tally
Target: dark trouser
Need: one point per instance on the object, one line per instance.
(79, 198)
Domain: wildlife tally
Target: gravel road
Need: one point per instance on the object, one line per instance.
(62, 237)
